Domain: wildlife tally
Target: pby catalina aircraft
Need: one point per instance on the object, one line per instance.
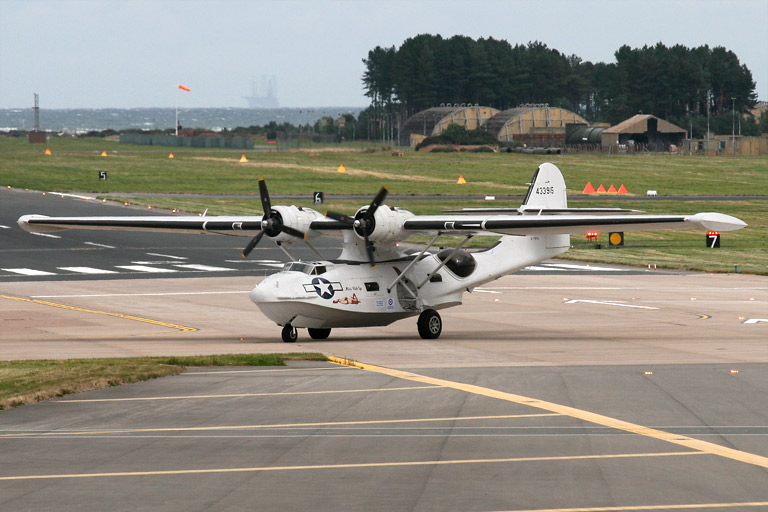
(376, 282)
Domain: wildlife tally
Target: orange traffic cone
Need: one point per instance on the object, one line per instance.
(601, 189)
(623, 189)
(103, 153)
(243, 159)
(461, 181)
(612, 190)
(170, 156)
(341, 168)
(589, 189)
(48, 151)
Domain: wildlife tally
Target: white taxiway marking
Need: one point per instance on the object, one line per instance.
(609, 303)
(87, 270)
(167, 256)
(756, 320)
(142, 268)
(46, 234)
(4, 227)
(132, 294)
(581, 267)
(28, 271)
(208, 268)
(99, 245)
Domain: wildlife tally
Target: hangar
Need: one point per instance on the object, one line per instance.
(433, 121)
(651, 132)
(535, 124)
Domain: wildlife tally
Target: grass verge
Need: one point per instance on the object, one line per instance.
(28, 381)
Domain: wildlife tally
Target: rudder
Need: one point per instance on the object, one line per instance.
(547, 190)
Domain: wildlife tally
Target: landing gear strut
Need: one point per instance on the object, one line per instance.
(430, 324)
(290, 334)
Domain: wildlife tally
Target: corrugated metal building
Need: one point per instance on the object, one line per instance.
(654, 133)
(527, 121)
(433, 121)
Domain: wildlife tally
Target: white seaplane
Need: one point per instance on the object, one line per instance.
(374, 281)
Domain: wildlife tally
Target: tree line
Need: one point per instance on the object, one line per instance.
(683, 85)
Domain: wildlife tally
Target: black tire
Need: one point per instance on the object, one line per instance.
(430, 324)
(318, 334)
(290, 334)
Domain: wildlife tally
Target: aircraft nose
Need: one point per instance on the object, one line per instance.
(258, 294)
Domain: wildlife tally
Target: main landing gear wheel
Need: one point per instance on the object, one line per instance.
(430, 324)
(290, 334)
(318, 334)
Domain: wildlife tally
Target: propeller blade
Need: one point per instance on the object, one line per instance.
(265, 203)
(254, 241)
(346, 219)
(369, 250)
(293, 232)
(376, 203)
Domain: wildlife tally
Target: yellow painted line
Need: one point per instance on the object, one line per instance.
(278, 425)
(347, 466)
(687, 506)
(240, 395)
(599, 419)
(179, 328)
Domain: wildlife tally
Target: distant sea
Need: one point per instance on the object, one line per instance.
(81, 120)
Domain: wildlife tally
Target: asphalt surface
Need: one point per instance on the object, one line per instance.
(562, 389)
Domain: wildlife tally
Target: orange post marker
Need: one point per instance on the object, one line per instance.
(461, 180)
(103, 153)
(342, 168)
(601, 189)
(170, 156)
(48, 151)
(243, 159)
(612, 190)
(623, 189)
(589, 188)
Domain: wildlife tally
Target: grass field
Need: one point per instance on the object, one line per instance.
(75, 163)
(35, 380)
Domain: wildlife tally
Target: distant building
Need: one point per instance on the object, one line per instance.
(433, 121)
(653, 133)
(533, 125)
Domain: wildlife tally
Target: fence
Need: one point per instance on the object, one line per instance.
(189, 142)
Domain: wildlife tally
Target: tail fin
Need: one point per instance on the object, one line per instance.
(547, 190)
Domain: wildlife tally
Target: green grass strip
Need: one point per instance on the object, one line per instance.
(34, 380)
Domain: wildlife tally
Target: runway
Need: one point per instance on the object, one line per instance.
(562, 390)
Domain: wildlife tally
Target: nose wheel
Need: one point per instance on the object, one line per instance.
(290, 334)
(430, 324)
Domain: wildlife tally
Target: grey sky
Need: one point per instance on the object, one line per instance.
(115, 53)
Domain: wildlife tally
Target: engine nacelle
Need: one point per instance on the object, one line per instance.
(296, 217)
(386, 225)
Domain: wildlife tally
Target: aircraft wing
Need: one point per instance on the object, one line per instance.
(241, 225)
(566, 224)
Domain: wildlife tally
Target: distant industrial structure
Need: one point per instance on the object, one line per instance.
(263, 93)
(37, 136)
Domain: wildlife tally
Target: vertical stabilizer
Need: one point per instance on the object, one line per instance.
(547, 190)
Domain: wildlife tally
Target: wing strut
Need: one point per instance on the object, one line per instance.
(445, 261)
(412, 263)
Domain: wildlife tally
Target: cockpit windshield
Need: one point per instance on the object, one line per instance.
(306, 268)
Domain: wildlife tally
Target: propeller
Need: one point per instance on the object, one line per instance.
(271, 222)
(363, 223)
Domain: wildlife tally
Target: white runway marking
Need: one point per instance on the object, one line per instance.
(4, 227)
(99, 245)
(46, 235)
(28, 271)
(87, 270)
(207, 268)
(131, 294)
(167, 256)
(609, 303)
(143, 268)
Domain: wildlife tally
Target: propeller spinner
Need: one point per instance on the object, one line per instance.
(364, 222)
(271, 222)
